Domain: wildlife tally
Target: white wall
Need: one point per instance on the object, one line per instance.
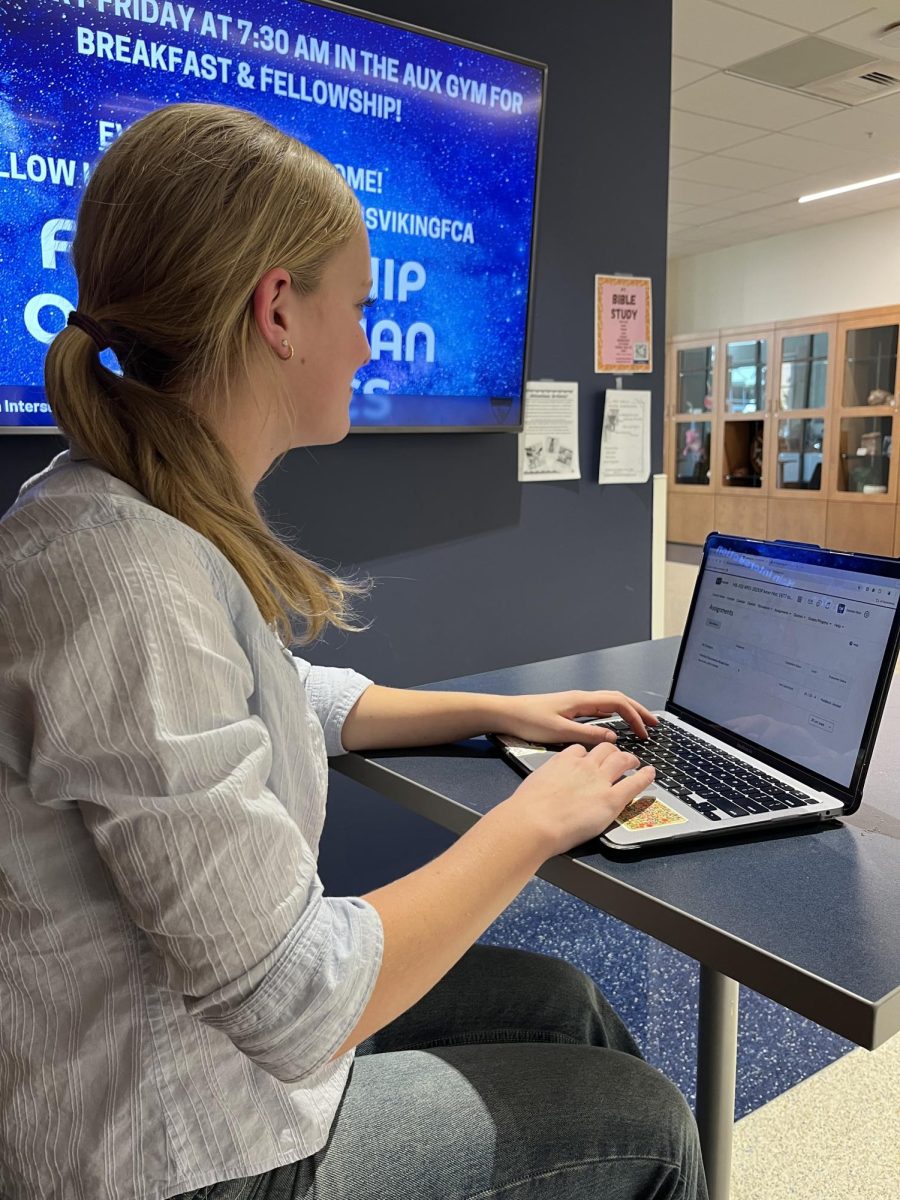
(845, 265)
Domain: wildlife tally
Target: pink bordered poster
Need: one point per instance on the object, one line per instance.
(623, 336)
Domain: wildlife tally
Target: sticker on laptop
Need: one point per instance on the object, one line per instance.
(648, 813)
(515, 744)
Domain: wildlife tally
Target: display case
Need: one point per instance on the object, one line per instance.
(789, 431)
(864, 414)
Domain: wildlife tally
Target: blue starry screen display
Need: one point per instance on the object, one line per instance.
(439, 141)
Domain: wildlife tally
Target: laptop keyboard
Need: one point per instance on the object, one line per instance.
(712, 782)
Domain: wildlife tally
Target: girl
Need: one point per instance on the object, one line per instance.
(180, 1001)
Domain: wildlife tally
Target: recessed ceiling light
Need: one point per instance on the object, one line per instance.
(849, 187)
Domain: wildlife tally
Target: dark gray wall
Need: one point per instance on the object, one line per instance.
(474, 570)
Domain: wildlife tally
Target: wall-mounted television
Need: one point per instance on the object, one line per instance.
(440, 139)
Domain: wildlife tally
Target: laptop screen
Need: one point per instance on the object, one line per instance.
(786, 649)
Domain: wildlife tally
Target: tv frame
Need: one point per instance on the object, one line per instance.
(529, 310)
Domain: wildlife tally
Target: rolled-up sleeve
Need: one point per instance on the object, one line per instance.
(140, 693)
(332, 692)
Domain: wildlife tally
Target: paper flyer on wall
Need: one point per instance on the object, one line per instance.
(625, 439)
(548, 443)
(623, 334)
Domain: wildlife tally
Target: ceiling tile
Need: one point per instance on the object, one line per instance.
(742, 100)
(885, 195)
(742, 223)
(825, 211)
(708, 33)
(681, 249)
(871, 128)
(703, 214)
(748, 201)
(788, 211)
(862, 31)
(678, 157)
(795, 153)
(692, 132)
(684, 192)
(731, 172)
(805, 184)
(811, 15)
(684, 72)
(823, 182)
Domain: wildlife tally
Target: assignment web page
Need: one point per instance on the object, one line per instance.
(788, 655)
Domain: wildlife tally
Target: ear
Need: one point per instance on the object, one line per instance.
(270, 307)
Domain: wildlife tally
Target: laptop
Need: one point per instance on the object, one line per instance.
(781, 679)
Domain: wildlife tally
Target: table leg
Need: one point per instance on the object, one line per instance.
(716, 1071)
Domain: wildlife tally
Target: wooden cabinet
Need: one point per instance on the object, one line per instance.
(788, 430)
(690, 517)
(863, 492)
(866, 528)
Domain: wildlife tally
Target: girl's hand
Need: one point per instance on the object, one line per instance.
(577, 793)
(551, 717)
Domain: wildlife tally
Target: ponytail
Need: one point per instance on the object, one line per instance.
(152, 267)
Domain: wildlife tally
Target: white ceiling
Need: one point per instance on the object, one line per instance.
(743, 152)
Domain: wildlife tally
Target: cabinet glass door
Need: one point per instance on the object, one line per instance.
(804, 371)
(865, 455)
(745, 375)
(870, 366)
(798, 462)
(692, 450)
(695, 367)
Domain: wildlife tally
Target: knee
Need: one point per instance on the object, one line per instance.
(660, 1117)
(534, 974)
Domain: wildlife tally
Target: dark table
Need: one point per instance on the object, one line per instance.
(809, 917)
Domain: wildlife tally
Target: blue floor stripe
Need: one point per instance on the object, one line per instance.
(655, 990)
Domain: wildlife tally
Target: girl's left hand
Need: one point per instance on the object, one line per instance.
(551, 717)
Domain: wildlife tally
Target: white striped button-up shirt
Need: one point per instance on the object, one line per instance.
(173, 982)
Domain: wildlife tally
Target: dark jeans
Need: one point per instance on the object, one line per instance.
(513, 1077)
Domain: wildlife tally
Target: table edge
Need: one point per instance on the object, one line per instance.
(865, 1022)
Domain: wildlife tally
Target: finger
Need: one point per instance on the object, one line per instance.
(629, 787)
(574, 751)
(587, 735)
(616, 763)
(648, 717)
(601, 704)
(626, 708)
(604, 750)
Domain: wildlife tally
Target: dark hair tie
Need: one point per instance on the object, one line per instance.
(89, 326)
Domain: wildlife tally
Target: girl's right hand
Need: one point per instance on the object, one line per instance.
(578, 792)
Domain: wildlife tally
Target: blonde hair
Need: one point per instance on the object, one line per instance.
(182, 215)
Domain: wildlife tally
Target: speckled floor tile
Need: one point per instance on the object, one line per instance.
(832, 1137)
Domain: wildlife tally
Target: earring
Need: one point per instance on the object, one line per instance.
(287, 357)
